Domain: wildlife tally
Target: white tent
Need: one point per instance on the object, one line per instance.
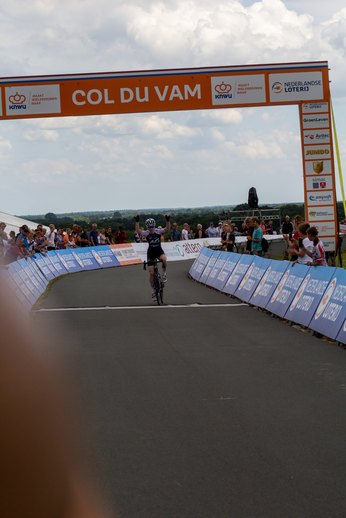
(14, 223)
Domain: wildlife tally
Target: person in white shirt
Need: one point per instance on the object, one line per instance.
(302, 257)
(212, 231)
(51, 236)
(185, 232)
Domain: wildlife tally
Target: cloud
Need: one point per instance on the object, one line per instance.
(41, 135)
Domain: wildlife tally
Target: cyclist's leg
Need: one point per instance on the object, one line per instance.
(164, 267)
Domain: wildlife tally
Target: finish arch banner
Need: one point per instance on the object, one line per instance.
(309, 295)
(219, 264)
(269, 283)
(238, 274)
(252, 278)
(230, 264)
(330, 314)
(287, 289)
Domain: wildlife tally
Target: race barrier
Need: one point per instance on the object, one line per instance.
(312, 296)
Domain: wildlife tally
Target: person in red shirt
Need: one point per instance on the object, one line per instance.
(119, 236)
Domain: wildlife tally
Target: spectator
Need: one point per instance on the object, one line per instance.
(307, 246)
(39, 228)
(84, 238)
(212, 231)
(12, 239)
(243, 231)
(94, 235)
(269, 229)
(200, 232)
(120, 236)
(219, 229)
(185, 232)
(16, 251)
(70, 243)
(287, 227)
(59, 243)
(318, 254)
(66, 237)
(175, 233)
(24, 232)
(136, 238)
(51, 237)
(76, 231)
(263, 225)
(249, 232)
(256, 238)
(228, 238)
(102, 237)
(109, 236)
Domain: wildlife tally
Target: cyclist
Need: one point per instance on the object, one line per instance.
(153, 237)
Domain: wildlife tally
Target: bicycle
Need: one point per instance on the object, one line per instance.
(158, 284)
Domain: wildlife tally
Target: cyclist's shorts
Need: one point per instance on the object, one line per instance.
(154, 254)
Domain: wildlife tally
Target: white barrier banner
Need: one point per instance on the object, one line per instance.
(179, 250)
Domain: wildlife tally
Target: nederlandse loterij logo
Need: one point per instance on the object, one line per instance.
(17, 102)
(277, 87)
(325, 299)
(300, 292)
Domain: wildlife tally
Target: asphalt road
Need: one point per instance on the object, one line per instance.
(214, 410)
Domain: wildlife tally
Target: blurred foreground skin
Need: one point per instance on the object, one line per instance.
(41, 474)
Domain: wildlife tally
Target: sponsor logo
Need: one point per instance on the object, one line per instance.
(246, 276)
(63, 261)
(262, 282)
(317, 152)
(223, 90)
(325, 299)
(277, 87)
(317, 136)
(17, 102)
(327, 197)
(79, 261)
(97, 257)
(281, 285)
(316, 119)
(300, 292)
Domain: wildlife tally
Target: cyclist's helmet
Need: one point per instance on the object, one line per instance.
(150, 222)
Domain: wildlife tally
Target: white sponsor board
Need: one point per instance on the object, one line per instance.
(32, 100)
(319, 183)
(321, 214)
(320, 198)
(325, 228)
(329, 244)
(178, 250)
(316, 137)
(317, 152)
(318, 167)
(315, 107)
(315, 121)
(296, 86)
(227, 90)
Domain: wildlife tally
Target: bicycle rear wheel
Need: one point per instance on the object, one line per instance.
(157, 286)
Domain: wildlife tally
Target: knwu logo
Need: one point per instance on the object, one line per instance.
(17, 102)
(224, 91)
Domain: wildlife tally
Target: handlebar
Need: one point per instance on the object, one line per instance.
(151, 263)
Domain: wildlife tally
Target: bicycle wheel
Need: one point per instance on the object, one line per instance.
(157, 286)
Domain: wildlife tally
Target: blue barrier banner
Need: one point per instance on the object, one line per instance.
(219, 264)
(252, 278)
(287, 289)
(21, 284)
(104, 256)
(309, 295)
(237, 274)
(32, 276)
(43, 266)
(200, 263)
(210, 265)
(55, 260)
(20, 267)
(39, 274)
(227, 269)
(48, 262)
(330, 315)
(268, 283)
(68, 260)
(25, 305)
(86, 258)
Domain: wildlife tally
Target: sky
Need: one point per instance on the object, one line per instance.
(168, 159)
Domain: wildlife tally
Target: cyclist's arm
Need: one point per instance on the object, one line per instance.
(168, 224)
(137, 229)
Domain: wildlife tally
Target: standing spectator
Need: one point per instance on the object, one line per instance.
(263, 225)
(228, 238)
(109, 236)
(66, 237)
(84, 238)
(24, 232)
(59, 243)
(219, 229)
(269, 228)
(307, 245)
(175, 233)
(287, 227)
(39, 228)
(51, 237)
(249, 232)
(120, 236)
(76, 231)
(256, 238)
(94, 235)
(318, 254)
(136, 238)
(212, 231)
(200, 232)
(185, 232)
(102, 237)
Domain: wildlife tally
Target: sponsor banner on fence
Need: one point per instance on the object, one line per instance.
(316, 137)
(47, 260)
(287, 289)
(227, 269)
(38, 258)
(210, 265)
(309, 295)
(178, 250)
(55, 260)
(269, 283)
(315, 107)
(69, 261)
(32, 276)
(23, 303)
(219, 264)
(86, 258)
(228, 90)
(39, 274)
(200, 263)
(320, 198)
(237, 274)
(21, 269)
(331, 312)
(22, 285)
(252, 278)
(125, 254)
(296, 86)
(104, 256)
(32, 100)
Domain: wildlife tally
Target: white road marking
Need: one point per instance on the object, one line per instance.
(108, 308)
